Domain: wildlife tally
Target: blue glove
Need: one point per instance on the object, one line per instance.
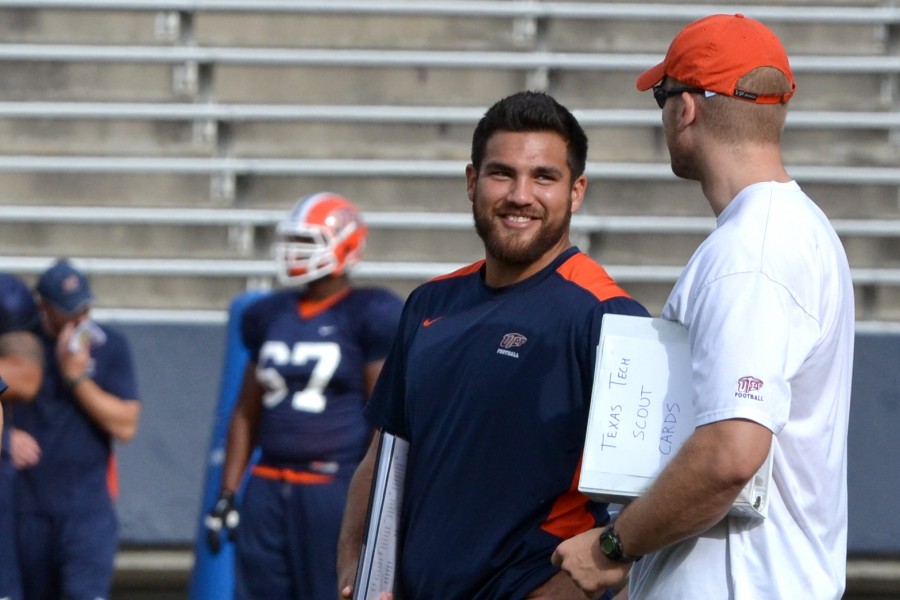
(224, 515)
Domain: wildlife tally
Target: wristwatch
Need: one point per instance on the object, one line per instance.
(72, 382)
(611, 546)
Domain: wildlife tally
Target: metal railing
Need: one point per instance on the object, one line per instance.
(875, 15)
(382, 114)
(375, 58)
(399, 168)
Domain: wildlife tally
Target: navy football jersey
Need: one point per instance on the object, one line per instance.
(492, 389)
(72, 473)
(311, 365)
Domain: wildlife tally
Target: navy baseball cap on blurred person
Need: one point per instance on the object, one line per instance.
(65, 287)
(18, 312)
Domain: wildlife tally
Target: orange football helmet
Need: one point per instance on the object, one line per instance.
(323, 235)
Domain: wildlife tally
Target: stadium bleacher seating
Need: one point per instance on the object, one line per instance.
(235, 107)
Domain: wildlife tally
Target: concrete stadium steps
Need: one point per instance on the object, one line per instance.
(167, 241)
(124, 241)
(112, 189)
(841, 147)
(58, 25)
(375, 85)
(195, 54)
(616, 136)
(403, 30)
(654, 36)
(430, 141)
(878, 303)
(121, 137)
(614, 195)
(319, 83)
(854, 201)
(357, 31)
(53, 81)
(352, 140)
(872, 252)
(385, 243)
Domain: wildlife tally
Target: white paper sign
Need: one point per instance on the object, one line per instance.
(642, 412)
(637, 412)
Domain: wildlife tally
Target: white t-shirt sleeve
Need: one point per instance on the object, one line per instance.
(748, 337)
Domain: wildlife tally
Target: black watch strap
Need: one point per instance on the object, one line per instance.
(611, 546)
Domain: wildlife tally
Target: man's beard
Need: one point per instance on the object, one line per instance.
(514, 252)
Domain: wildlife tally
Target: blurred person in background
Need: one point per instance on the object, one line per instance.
(67, 530)
(21, 364)
(316, 349)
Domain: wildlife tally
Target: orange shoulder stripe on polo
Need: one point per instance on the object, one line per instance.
(569, 515)
(581, 270)
(461, 272)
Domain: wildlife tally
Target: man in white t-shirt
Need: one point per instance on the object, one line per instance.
(768, 303)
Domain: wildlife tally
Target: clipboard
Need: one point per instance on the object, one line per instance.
(642, 412)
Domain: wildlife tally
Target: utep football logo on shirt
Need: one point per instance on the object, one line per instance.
(511, 340)
(747, 385)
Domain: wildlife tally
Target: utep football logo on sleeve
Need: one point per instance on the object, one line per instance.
(747, 386)
(511, 340)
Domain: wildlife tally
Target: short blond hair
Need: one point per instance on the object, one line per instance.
(733, 120)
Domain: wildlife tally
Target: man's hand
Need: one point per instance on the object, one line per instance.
(224, 515)
(581, 558)
(24, 450)
(73, 358)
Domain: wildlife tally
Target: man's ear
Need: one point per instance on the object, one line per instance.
(686, 113)
(578, 190)
(471, 181)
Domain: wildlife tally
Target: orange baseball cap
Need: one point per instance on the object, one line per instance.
(713, 54)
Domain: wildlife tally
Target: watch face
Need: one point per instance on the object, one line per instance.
(607, 545)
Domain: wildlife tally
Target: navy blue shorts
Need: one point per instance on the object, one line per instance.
(68, 556)
(286, 542)
(9, 568)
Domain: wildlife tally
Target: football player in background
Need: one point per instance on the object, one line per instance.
(316, 349)
(21, 364)
(66, 522)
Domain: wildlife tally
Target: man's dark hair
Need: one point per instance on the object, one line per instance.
(532, 111)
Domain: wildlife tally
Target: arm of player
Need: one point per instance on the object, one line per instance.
(354, 523)
(242, 430)
(693, 493)
(24, 450)
(22, 363)
(116, 416)
(371, 371)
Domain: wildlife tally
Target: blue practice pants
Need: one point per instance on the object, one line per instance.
(286, 543)
(69, 556)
